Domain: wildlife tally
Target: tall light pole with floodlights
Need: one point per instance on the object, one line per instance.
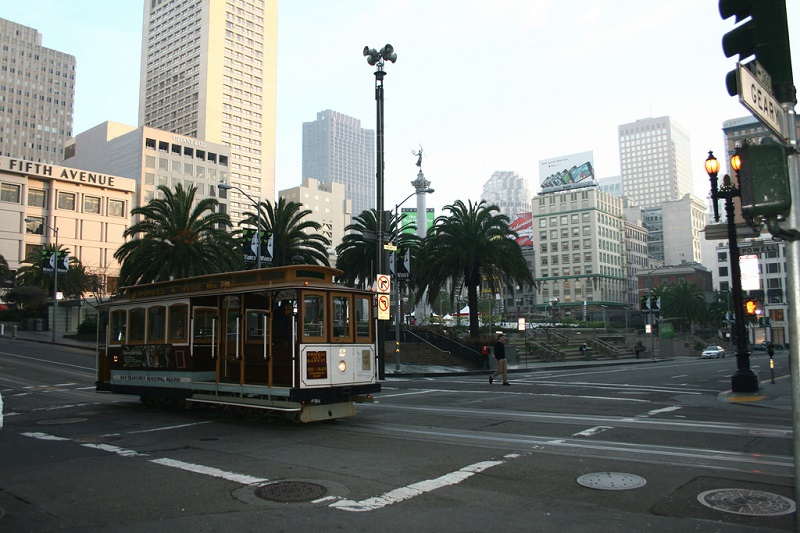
(377, 58)
(397, 278)
(227, 187)
(744, 379)
(55, 273)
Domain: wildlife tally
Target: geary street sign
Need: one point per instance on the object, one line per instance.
(759, 100)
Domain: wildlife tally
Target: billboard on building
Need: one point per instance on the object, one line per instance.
(567, 172)
(523, 225)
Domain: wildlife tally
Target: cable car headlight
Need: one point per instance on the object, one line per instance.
(342, 366)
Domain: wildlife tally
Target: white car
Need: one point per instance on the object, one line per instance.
(714, 352)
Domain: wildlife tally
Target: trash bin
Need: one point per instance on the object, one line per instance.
(37, 324)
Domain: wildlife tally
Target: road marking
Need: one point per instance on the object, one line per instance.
(592, 431)
(415, 489)
(124, 452)
(172, 463)
(244, 479)
(679, 376)
(43, 436)
(426, 391)
(659, 411)
(167, 428)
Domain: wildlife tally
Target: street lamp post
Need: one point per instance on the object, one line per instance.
(744, 379)
(377, 58)
(227, 187)
(397, 279)
(55, 274)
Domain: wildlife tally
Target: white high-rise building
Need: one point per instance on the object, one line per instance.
(336, 149)
(508, 191)
(209, 71)
(37, 96)
(655, 161)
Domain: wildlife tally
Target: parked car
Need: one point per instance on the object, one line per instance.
(713, 352)
(760, 347)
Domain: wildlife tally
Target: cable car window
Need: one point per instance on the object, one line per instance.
(363, 306)
(156, 318)
(136, 322)
(204, 324)
(117, 325)
(178, 315)
(255, 325)
(313, 316)
(341, 318)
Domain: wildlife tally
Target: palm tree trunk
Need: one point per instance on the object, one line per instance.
(472, 299)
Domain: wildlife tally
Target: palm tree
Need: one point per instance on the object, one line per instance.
(471, 245)
(177, 239)
(5, 272)
(685, 303)
(72, 283)
(356, 255)
(293, 237)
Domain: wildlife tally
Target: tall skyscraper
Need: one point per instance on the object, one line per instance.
(508, 191)
(655, 161)
(336, 149)
(37, 96)
(209, 71)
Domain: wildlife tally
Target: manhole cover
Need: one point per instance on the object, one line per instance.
(611, 481)
(747, 502)
(291, 491)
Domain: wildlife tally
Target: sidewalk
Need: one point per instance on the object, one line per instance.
(776, 395)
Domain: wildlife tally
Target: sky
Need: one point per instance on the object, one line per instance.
(481, 86)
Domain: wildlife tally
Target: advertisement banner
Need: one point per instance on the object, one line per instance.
(523, 226)
(567, 172)
(251, 247)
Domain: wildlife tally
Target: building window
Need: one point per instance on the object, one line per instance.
(66, 201)
(37, 198)
(9, 193)
(116, 208)
(91, 204)
(34, 226)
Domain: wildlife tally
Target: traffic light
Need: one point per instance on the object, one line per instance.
(753, 307)
(765, 34)
(763, 181)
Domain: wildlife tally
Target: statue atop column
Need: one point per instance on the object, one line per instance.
(419, 156)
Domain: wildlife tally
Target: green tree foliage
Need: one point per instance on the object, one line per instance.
(685, 304)
(5, 273)
(356, 255)
(177, 237)
(72, 283)
(293, 234)
(471, 245)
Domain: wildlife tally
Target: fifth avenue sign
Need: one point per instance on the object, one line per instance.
(758, 99)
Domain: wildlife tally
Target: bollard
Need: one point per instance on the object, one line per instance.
(14, 330)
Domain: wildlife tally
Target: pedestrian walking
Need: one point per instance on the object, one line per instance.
(500, 355)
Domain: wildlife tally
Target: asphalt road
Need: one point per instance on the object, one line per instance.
(446, 453)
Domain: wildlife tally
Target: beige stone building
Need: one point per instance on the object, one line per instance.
(90, 211)
(328, 205)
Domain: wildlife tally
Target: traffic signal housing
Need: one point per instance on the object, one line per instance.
(765, 34)
(753, 307)
(763, 181)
